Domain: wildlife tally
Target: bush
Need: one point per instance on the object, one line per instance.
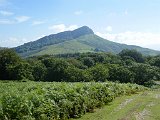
(20, 71)
(99, 72)
(120, 73)
(137, 56)
(143, 73)
(39, 71)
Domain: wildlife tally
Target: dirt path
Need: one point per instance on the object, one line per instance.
(143, 106)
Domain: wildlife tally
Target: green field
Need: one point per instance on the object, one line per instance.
(57, 101)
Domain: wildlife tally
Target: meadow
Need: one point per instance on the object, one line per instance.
(58, 100)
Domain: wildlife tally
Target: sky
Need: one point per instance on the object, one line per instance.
(133, 22)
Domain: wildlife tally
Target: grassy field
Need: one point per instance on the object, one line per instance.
(142, 106)
(58, 101)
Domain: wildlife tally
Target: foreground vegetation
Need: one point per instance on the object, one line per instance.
(48, 101)
(143, 106)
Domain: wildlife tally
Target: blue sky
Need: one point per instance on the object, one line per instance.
(125, 21)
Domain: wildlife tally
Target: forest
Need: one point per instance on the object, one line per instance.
(129, 66)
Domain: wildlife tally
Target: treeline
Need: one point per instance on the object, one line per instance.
(127, 66)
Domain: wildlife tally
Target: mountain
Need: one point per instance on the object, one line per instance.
(80, 40)
(1, 48)
(54, 39)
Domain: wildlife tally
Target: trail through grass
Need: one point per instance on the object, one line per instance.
(142, 106)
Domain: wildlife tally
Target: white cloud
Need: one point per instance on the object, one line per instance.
(109, 29)
(62, 27)
(6, 21)
(38, 23)
(58, 28)
(149, 40)
(21, 19)
(13, 42)
(71, 27)
(78, 12)
(41, 36)
(6, 13)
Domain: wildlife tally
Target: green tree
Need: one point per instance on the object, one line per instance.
(7, 58)
(99, 72)
(74, 74)
(39, 71)
(143, 73)
(88, 61)
(120, 73)
(22, 70)
(137, 56)
(155, 61)
(127, 60)
(76, 63)
(56, 69)
(112, 59)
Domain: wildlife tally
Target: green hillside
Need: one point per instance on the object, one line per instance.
(36, 46)
(77, 41)
(72, 46)
(109, 46)
(90, 43)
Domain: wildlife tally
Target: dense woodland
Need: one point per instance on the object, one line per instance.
(73, 84)
(127, 66)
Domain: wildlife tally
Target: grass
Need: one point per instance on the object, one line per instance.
(142, 106)
(72, 46)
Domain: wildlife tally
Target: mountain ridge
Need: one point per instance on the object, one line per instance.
(84, 40)
(54, 39)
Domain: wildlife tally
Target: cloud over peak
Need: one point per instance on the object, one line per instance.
(109, 29)
(144, 39)
(62, 27)
(13, 42)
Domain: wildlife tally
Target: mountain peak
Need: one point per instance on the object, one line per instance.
(54, 39)
(84, 30)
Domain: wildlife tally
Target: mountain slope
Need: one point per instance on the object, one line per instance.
(72, 46)
(91, 43)
(53, 39)
(109, 46)
(80, 40)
